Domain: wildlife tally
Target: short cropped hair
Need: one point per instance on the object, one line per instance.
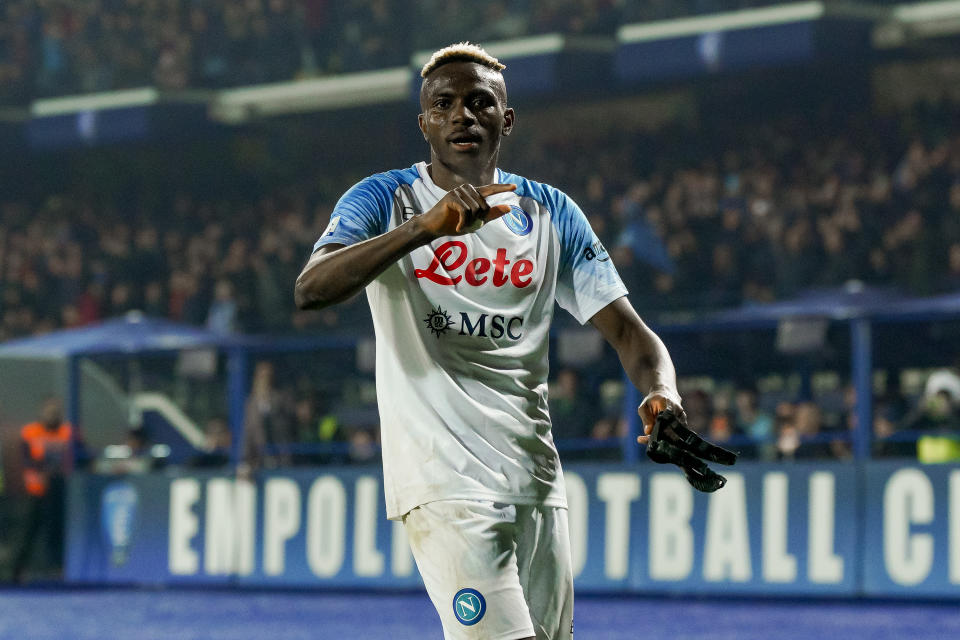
(461, 52)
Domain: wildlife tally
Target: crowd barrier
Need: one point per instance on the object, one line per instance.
(817, 529)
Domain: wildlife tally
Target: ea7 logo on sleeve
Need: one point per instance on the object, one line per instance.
(469, 606)
(450, 256)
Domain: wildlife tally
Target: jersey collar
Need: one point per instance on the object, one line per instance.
(421, 168)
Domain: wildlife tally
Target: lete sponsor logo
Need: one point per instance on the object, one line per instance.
(450, 256)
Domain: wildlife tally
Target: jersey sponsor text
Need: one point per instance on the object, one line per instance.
(452, 255)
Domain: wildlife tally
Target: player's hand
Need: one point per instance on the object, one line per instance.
(655, 402)
(671, 441)
(464, 210)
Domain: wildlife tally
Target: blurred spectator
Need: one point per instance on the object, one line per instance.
(222, 317)
(938, 414)
(364, 445)
(699, 407)
(935, 412)
(133, 456)
(943, 381)
(788, 435)
(217, 441)
(808, 419)
(609, 424)
(267, 428)
(48, 457)
(571, 413)
(721, 425)
(754, 423)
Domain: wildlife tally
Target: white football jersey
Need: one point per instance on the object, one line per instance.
(462, 328)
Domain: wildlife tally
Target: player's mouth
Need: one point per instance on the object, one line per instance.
(465, 141)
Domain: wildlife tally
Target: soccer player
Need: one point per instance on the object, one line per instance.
(462, 262)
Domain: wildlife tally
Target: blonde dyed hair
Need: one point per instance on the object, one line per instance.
(461, 52)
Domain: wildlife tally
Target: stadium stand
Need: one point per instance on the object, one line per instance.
(56, 48)
(700, 214)
(714, 193)
(752, 213)
(746, 214)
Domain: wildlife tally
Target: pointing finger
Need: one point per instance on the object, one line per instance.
(478, 206)
(496, 211)
(471, 191)
(490, 189)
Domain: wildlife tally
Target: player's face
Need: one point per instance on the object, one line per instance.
(464, 115)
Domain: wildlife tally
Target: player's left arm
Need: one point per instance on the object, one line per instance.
(644, 358)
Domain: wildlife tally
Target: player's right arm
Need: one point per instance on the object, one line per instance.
(336, 272)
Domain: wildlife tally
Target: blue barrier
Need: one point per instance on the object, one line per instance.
(825, 529)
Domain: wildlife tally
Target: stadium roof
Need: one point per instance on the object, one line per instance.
(131, 333)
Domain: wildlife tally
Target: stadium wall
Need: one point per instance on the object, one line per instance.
(820, 529)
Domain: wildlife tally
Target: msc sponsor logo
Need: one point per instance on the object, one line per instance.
(481, 325)
(469, 606)
(451, 256)
(499, 326)
(518, 221)
(596, 250)
(438, 321)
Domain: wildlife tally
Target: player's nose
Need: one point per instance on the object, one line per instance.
(462, 114)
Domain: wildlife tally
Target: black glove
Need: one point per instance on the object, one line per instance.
(672, 442)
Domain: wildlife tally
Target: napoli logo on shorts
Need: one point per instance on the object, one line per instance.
(469, 606)
(518, 221)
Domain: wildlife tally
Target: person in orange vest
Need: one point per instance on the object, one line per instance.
(47, 460)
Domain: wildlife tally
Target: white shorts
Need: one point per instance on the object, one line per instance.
(495, 571)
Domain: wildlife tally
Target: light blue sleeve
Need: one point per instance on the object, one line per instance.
(363, 212)
(587, 281)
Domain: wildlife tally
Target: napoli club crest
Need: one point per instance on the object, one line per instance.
(518, 221)
(469, 606)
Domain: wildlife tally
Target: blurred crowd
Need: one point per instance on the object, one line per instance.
(695, 217)
(769, 424)
(693, 221)
(69, 263)
(718, 215)
(62, 47)
(701, 213)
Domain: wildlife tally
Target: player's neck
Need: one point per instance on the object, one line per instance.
(447, 177)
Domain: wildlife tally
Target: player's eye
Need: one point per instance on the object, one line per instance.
(442, 103)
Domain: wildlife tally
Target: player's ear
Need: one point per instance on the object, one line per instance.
(509, 117)
(423, 128)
